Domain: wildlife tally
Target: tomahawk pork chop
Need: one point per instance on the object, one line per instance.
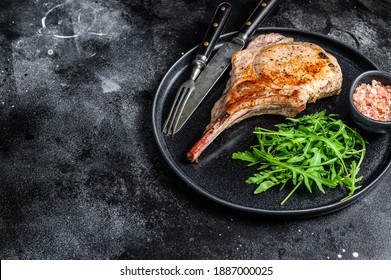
(273, 75)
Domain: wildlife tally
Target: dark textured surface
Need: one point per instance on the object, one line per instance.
(81, 176)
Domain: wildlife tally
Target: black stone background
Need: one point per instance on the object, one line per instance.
(81, 176)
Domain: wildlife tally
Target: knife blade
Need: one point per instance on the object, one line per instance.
(222, 59)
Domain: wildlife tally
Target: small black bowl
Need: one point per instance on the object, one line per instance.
(362, 121)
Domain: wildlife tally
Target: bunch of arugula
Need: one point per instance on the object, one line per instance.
(314, 149)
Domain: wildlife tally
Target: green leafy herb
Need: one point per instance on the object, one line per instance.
(314, 150)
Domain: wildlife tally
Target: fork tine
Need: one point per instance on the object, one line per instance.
(178, 109)
(181, 106)
(168, 123)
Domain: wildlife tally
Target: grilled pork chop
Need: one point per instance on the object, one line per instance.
(273, 75)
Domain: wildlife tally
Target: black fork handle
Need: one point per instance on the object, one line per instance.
(215, 28)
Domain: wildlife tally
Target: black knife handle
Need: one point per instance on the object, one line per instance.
(214, 30)
(256, 18)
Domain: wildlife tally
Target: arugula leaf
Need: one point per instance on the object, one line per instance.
(315, 149)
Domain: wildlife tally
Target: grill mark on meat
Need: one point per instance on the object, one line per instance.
(323, 56)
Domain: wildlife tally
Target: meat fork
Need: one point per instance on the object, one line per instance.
(185, 90)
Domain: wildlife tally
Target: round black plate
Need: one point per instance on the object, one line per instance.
(221, 179)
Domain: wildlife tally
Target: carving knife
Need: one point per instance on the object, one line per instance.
(222, 59)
